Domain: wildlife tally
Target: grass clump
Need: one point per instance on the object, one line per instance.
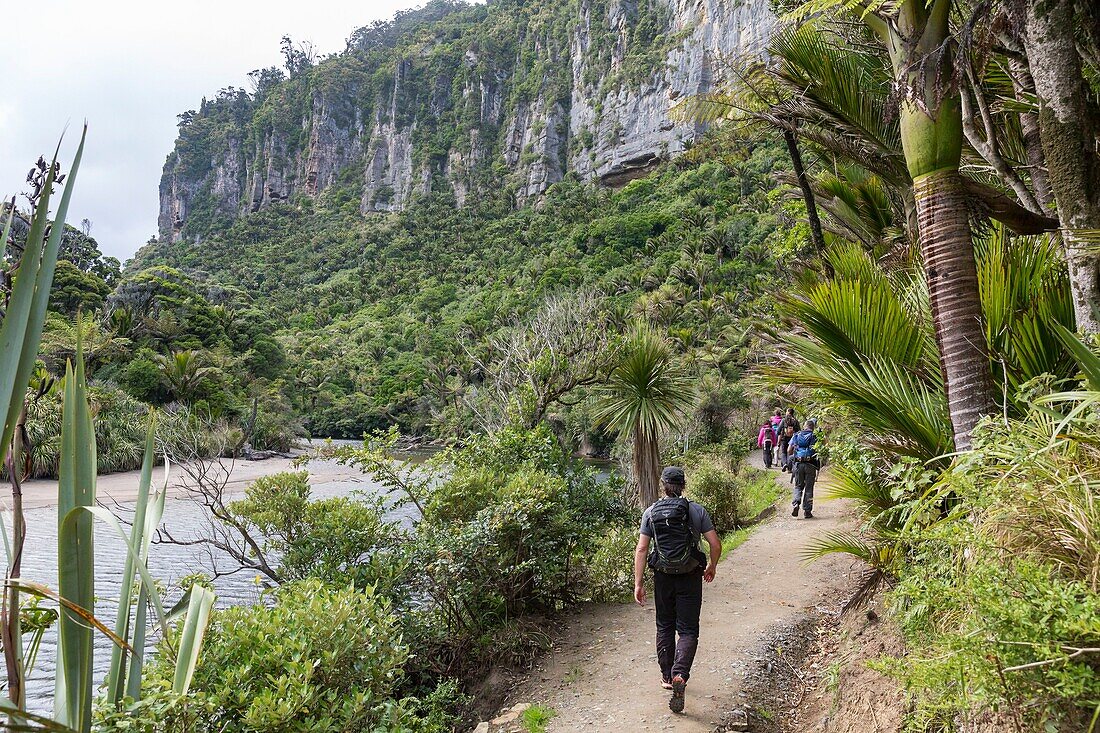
(732, 540)
(536, 717)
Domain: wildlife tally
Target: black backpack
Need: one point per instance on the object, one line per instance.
(673, 539)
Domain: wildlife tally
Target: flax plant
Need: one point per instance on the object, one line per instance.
(20, 337)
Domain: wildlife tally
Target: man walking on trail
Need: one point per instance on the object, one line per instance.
(787, 428)
(805, 465)
(674, 526)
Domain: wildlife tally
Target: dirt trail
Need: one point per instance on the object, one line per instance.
(602, 674)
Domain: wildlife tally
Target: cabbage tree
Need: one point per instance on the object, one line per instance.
(647, 394)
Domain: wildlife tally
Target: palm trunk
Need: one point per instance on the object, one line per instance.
(807, 191)
(932, 138)
(646, 460)
(1068, 126)
(948, 253)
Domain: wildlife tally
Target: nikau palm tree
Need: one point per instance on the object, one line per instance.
(183, 372)
(647, 394)
(900, 115)
(918, 40)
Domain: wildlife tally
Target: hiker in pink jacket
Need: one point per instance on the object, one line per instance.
(766, 442)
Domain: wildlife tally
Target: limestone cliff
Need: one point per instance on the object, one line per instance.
(456, 98)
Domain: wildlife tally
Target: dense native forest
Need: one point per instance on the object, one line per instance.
(891, 224)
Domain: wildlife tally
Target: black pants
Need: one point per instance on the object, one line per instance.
(679, 599)
(805, 476)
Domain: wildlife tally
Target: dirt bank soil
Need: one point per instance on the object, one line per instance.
(812, 675)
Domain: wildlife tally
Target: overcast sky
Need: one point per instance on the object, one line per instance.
(129, 68)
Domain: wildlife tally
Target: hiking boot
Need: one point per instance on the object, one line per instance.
(794, 512)
(809, 515)
(676, 702)
(666, 684)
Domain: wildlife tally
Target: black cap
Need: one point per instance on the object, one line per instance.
(673, 475)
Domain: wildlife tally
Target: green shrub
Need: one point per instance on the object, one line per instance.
(462, 496)
(609, 565)
(512, 557)
(322, 659)
(337, 540)
(513, 528)
(731, 491)
(976, 624)
(142, 380)
(997, 597)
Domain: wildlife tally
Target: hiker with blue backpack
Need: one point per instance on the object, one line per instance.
(805, 464)
(674, 525)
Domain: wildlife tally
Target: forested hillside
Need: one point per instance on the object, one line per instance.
(490, 133)
(405, 318)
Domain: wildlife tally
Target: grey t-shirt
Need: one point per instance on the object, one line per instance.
(700, 521)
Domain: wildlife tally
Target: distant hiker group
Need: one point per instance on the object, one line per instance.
(783, 440)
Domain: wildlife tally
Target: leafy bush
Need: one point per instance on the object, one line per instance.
(141, 379)
(463, 495)
(609, 565)
(731, 491)
(322, 659)
(512, 527)
(337, 540)
(999, 597)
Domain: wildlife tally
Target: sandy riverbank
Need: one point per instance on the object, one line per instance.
(122, 487)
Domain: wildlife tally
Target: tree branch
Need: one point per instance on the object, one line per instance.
(988, 147)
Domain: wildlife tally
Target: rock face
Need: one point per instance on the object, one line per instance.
(509, 94)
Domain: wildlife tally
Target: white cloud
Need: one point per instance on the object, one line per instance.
(129, 68)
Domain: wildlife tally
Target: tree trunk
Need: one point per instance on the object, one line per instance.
(647, 467)
(1068, 126)
(948, 252)
(807, 191)
(932, 137)
(1033, 143)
